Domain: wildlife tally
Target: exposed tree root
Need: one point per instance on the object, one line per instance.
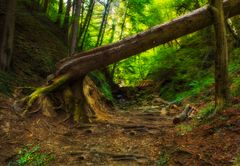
(79, 98)
(40, 92)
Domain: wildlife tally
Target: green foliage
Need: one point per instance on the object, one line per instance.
(183, 129)
(163, 159)
(206, 112)
(235, 87)
(32, 156)
(100, 81)
(183, 6)
(183, 68)
(196, 86)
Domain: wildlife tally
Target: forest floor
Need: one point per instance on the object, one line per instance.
(140, 134)
(139, 131)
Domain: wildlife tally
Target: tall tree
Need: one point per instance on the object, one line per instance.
(7, 27)
(103, 23)
(221, 57)
(35, 5)
(45, 5)
(121, 36)
(60, 12)
(87, 20)
(75, 27)
(66, 17)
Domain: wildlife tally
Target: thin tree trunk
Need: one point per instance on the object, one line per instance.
(124, 21)
(75, 27)
(66, 18)
(106, 70)
(60, 12)
(81, 18)
(101, 33)
(221, 57)
(82, 34)
(113, 29)
(121, 36)
(7, 28)
(103, 23)
(45, 5)
(35, 5)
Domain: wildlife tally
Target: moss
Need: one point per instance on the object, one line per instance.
(49, 88)
(183, 129)
(77, 112)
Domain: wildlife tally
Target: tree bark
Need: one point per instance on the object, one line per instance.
(66, 18)
(60, 12)
(7, 28)
(45, 5)
(82, 34)
(221, 56)
(75, 27)
(120, 37)
(97, 58)
(103, 23)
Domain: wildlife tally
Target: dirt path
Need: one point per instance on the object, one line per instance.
(129, 138)
(141, 134)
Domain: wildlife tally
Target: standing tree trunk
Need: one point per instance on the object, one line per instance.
(60, 12)
(7, 27)
(120, 37)
(45, 5)
(66, 18)
(35, 5)
(103, 23)
(101, 33)
(82, 34)
(75, 27)
(221, 57)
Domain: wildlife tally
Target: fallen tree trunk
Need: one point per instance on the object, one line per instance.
(82, 63)
(69, 76)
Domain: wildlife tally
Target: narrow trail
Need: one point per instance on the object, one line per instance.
(130, 137)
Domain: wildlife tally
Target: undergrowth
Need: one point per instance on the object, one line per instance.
(100, 81)
(206, 112)
(163, 159)
(183, 129)
(32, 156)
